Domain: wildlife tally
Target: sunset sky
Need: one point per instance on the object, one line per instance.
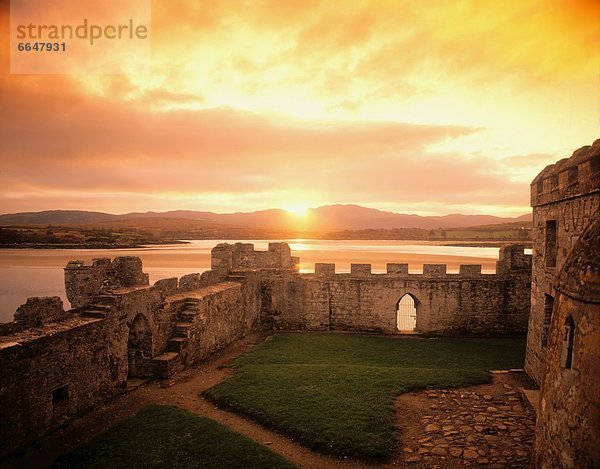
(426, 107)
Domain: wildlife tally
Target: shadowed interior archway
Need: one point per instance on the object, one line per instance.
(139, 348)
(406, 313)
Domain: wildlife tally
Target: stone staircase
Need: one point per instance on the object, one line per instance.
(174, 357)
(100, 307)
(236, 277)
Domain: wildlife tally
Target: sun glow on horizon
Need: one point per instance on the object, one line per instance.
(298, 210)
(254, 106)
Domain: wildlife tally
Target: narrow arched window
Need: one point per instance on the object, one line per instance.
(568, 341)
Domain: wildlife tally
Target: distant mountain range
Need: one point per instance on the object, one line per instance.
(320, 219)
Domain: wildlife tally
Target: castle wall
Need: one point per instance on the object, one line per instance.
(55, 364)
(58, 363)
(54, 373)
(226, 257)
(83, 282)
(227, 312)
(565, 198)
(468, 303)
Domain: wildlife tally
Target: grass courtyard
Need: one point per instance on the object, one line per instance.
(335, 392)
(170, 437)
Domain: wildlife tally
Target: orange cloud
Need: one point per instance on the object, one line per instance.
(91, 146)
(429, 106)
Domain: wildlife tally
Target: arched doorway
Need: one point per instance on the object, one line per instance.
(406, 313)
(139, 348)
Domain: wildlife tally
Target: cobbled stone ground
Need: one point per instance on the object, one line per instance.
(482, 426)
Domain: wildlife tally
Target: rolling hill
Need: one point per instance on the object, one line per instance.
(320, 219)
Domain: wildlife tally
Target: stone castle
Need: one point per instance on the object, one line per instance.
(57, 364)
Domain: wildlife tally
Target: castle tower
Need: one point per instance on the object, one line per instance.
(565, 197)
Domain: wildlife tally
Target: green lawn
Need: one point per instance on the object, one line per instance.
(335, 392)
(168, 437)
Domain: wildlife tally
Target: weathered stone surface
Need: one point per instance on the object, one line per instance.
(492, 441)
(565, 198)
(39, 311)
(568, 425)
(71, 361)
(227, 257)
(446, 304)
(455, 452)
(438, 451)
(140, 330)
(84, 282)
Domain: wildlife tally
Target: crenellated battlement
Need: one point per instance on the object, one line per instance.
(569, 177)
(395, 270)
(512, 259)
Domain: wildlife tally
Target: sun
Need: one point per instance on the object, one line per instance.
(298, 210)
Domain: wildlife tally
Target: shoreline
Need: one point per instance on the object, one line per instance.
(89, 246)
(433, 242)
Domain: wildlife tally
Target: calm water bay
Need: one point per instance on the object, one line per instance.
(39, 272)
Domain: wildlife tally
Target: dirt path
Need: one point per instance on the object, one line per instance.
(411, 409)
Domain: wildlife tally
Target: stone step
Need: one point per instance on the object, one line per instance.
(105, 299)
(93, 313)
(182, 329)
(236, 278)
(188, 315)
(134, 383)
(176, 344)
(166, 365)
(99, 307)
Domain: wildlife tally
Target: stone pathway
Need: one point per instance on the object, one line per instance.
(480, 426)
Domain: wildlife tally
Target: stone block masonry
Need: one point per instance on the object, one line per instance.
(55, 364)
(83, 282)
(467, 303)
(565, 198)
(568, 424)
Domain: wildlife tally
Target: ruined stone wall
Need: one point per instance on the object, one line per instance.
(568, 424)
(227, 312)
(56, 364)
(83, 282)
(467, 303)
(227, 257)
(54, 372)
(565, 198)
